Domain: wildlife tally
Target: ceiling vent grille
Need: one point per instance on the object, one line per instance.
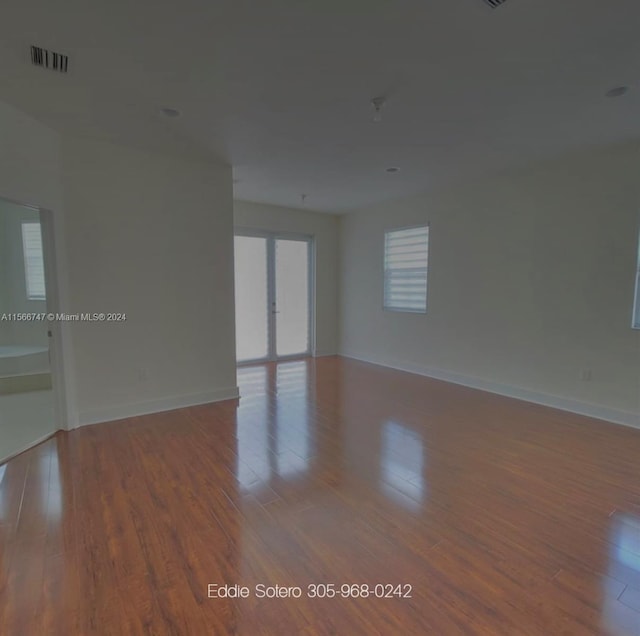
(494, 4)
(49, 59)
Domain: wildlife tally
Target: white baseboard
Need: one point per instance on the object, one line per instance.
(617, 416)
(44, 438)
(322, 354)
(123, 411)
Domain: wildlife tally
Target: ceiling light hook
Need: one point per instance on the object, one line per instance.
(377, 103)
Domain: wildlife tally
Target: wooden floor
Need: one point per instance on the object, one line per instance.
(495, 516)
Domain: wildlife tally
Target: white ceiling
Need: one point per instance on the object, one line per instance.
(280, 89)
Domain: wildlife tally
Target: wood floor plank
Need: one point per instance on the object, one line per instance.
(504, 517)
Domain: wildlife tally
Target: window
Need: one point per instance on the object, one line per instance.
(405, 269)
(636, 302)
(33, 261)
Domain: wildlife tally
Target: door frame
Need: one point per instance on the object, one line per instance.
(271, 237)
(58, 343)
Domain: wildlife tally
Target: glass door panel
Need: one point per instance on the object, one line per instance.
(252, 298)
(273, 296)
(291, 297)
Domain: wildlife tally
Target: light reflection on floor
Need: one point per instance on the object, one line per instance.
(385, 444)
(275, 431)
(402, 467)
(274, 436)
(619, 613)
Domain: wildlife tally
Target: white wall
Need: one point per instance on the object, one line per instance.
(531, 280)
(150, 236)
(144, 234)
(29, 160)
(324, 229)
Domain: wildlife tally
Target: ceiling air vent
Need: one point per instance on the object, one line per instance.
(494, 4)
(49, 59)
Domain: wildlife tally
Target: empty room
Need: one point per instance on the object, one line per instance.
(320, 317)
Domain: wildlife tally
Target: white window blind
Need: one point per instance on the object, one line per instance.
(406, 253)
(636, 301)
(33, 261)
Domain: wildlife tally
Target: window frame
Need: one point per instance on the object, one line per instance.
(404, 310)
(27, 279)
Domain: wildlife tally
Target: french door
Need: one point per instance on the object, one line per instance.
(273, 286)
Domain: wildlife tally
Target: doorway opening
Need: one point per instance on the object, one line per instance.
(274, 296)
(29, 401)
